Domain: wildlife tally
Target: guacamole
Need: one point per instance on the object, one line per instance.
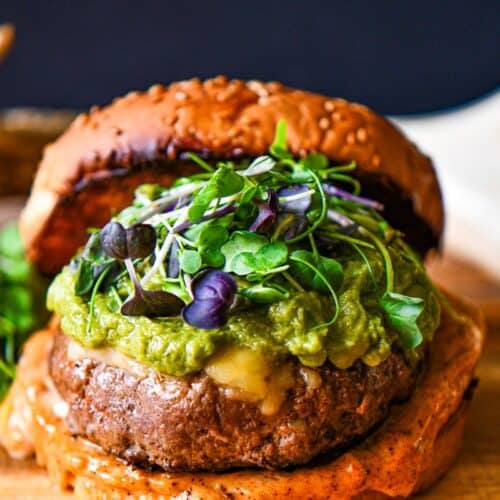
(277, 254)
(283, 328)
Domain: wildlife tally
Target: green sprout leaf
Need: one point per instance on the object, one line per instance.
(331, 269)
(190, 261)
(262, 294)
(93, 250)
(22, 309)
(402, 313)
(224, 182)
(249, 255)
(209, 237)
(241, 242)
(279, 147)
(315, 161)
(84, 278)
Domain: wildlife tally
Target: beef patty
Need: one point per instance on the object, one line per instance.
(190, 423)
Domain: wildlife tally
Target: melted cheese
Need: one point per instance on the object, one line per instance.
(251, 376)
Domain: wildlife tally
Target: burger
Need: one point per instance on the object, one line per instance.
(240, 304)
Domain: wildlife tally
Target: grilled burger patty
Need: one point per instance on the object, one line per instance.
(191, 423)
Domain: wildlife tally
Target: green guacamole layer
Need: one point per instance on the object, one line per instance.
(282, 329)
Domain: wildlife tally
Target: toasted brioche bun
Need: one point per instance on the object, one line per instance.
(415, 445)
(92, 169)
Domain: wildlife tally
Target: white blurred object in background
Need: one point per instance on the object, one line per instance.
(465, 147)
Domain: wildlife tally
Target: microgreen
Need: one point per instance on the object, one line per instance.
(241, 242)
(190, 261)
(267, 213)
(148, 303)
(266, 258)
(224, 182)
(200, 162)
(402, 313)
(265, 293)
(213, 294)
(254, 231)
(260, 165)
(85, 277)
(279, 147)
(330, 269)
(322, 278)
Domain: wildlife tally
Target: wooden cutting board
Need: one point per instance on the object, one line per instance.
(476, 475)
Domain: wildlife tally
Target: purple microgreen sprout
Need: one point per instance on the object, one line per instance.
(114, 240)
(295, 199)
(289, 226)
(141, 241)
(173, 261)
(324, 207)
(146, 302)
(213, 294)
(340, 219)
(266, 216)
(340, 193)
(136, 242)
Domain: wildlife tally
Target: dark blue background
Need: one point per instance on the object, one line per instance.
(396, 56)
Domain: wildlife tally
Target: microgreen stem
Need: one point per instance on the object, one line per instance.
(287, 219)
(367, 263)
(366, 221)
(314, 248)
(294, 197)
(356, 185)
(341, 168)
(328, 286)
(322, 214)
(341, 219)
(389, 271)
(173, 195)
(346, 196)
(132, 272)
(200, 162)
(292, 281)
(275, 270)
(348, 239)
(162, 254)
(218, 212)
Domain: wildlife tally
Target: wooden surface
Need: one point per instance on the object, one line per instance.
(476, 475)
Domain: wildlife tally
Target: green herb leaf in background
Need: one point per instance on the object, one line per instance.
(22, 303)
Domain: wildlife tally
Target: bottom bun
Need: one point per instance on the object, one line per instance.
(415, 445)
